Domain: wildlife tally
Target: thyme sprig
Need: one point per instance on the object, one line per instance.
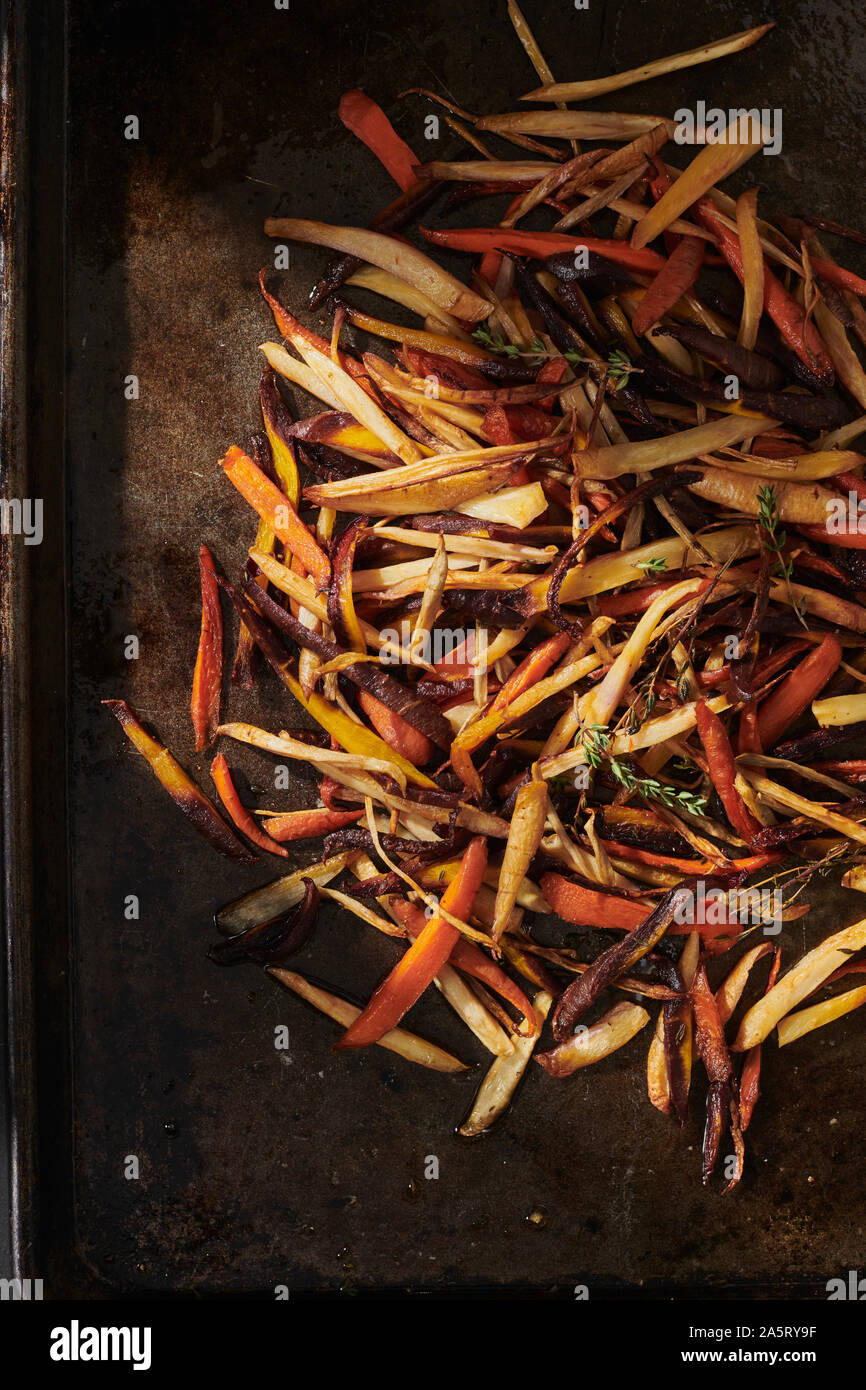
(596, 740)
(775, 540)
(657, 564)
(618, 367)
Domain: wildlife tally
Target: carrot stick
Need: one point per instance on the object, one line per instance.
(750, 1077)
(396, 732)
(847, 540)
(360, 114)
(543, 244)
(797, 691)
(676, 277)
(753, 267)
(469, 958)
(586, 907)
(292, 328)
(838, 275)
(208, 674)
(308, 825)
(710, 165)
(798, 331)
(228, 795)
(684, 866)
(425, 957)
(723, 770)
(748, 739)
(180, 786)
(274, 508)
(527, 674)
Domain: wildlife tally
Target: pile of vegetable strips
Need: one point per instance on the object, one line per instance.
(555, 575)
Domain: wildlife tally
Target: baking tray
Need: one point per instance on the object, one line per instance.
(259, 1169)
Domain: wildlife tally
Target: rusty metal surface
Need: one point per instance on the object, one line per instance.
(259, 1168)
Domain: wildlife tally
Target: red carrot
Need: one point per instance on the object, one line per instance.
(543, 244)
(797, 691)
(723, 770)
(208, 675)
(798, 332)
(360, 114)
(676, 277)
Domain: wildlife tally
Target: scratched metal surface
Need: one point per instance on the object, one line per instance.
(258, 1169)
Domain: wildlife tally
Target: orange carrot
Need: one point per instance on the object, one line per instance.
(228, 795)
(797, 691)
(588, 908)
(274, 508)
(425, 957)
(307, 825)
(360, 114)
(748, 738)
(469, 958)
(291, 328)
(393, 728)
(839, 276)
(723, 770)
(530, 670)
(848, 540)
(685, 866)
(543, 244)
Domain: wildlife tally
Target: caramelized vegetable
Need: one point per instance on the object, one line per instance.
(424, 958)
(601, 526)
(180, 787)
(207, 679)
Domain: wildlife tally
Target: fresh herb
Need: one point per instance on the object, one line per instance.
(496, 343)
(656, 565)
(770, 520)
(596, 740)
(775, 540)
(618, 367)
(684, 686)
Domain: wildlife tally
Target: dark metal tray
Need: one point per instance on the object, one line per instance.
(259, 1169)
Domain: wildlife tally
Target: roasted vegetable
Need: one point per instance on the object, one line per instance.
(180, 786)
(600, 550)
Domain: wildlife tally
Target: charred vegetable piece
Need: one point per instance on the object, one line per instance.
(421, 714)
(618, 1026)
(341, 605)
(750, 368)
(798, 331)
(207, 679)
(722, 1099)
(275, 940)
(180, 786)
(613, 962)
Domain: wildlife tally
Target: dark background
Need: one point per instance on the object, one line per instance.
(259, 1169)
